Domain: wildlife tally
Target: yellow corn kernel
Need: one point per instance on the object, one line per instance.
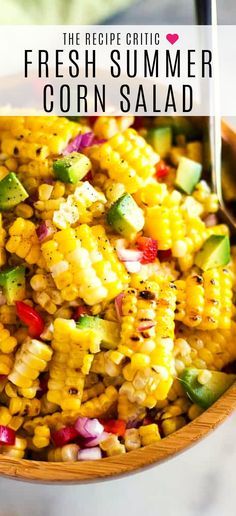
(41, 438)
(30, 360)
(112, 446)
(24, 210)
(17, 451)
(173, 424)
(149, 434)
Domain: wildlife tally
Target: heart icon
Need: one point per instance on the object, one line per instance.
(172, 38)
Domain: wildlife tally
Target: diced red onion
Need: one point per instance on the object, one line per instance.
(64, 435)
(90, 442)
(81, 141)
(129, 255)
(74, 145)
(132, 267)
(7, 435)
(90, 454)
(88, 428)
(146, 325)
(45, 230)
(118, 305)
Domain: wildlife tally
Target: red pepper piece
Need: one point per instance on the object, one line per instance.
(31, 318)
(64, 436)
(164, 256)
(7, 435)
(80, 311)
(162, 170)
(114, 426)
(148, 246)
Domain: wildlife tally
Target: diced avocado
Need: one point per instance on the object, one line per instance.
(126, 217)
(180, 126)
(187, 175)
(108, 330)
(71, 168)
(215, 252)
(12, 192)
(12, 281)
(161, 140)
(205, 395)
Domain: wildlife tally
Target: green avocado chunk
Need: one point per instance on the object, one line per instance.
(205, 395)
(161, 140)
(187, 175)
(12, 192)
(71, 168)
(12, 281)
(108, 330)
(215, 252)
(126, 217)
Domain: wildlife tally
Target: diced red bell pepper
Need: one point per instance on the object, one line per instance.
(148, 246)
(7, 435)
(64, 435)
(114, 426)
(31, 318)
(80, 311)
(164, 256)
(162, 170)
(92, 119)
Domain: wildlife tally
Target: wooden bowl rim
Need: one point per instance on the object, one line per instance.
(84, 472)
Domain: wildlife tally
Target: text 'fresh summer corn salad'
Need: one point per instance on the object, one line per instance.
(117, 285)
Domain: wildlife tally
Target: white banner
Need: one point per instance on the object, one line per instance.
(140, 70)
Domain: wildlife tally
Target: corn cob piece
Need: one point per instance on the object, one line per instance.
(41, 437)
(24, 242)
(30, 360)
(112, 446)
(93, 392)
(129, 411)
(17, 451)
(85, 258)
(108, 126)
(47, 407)
(127, 158)
(71, 361)
(6, 363)
(149, 374)
(29, 138)
(53, 421)
(2, 243)
(204, 350)
(68, 453)
(6, 419)
(132, 439)
(206, 198)
(103, 365)
(76, 207)
(205, 301)
(100, 405)
(45, 292)
(7, 342)
(24, 407)
(149, 434)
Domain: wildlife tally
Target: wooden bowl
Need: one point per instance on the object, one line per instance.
(81, 472)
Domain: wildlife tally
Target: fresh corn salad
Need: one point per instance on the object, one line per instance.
(117, 285)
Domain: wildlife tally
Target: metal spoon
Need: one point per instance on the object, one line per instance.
(206, 11)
